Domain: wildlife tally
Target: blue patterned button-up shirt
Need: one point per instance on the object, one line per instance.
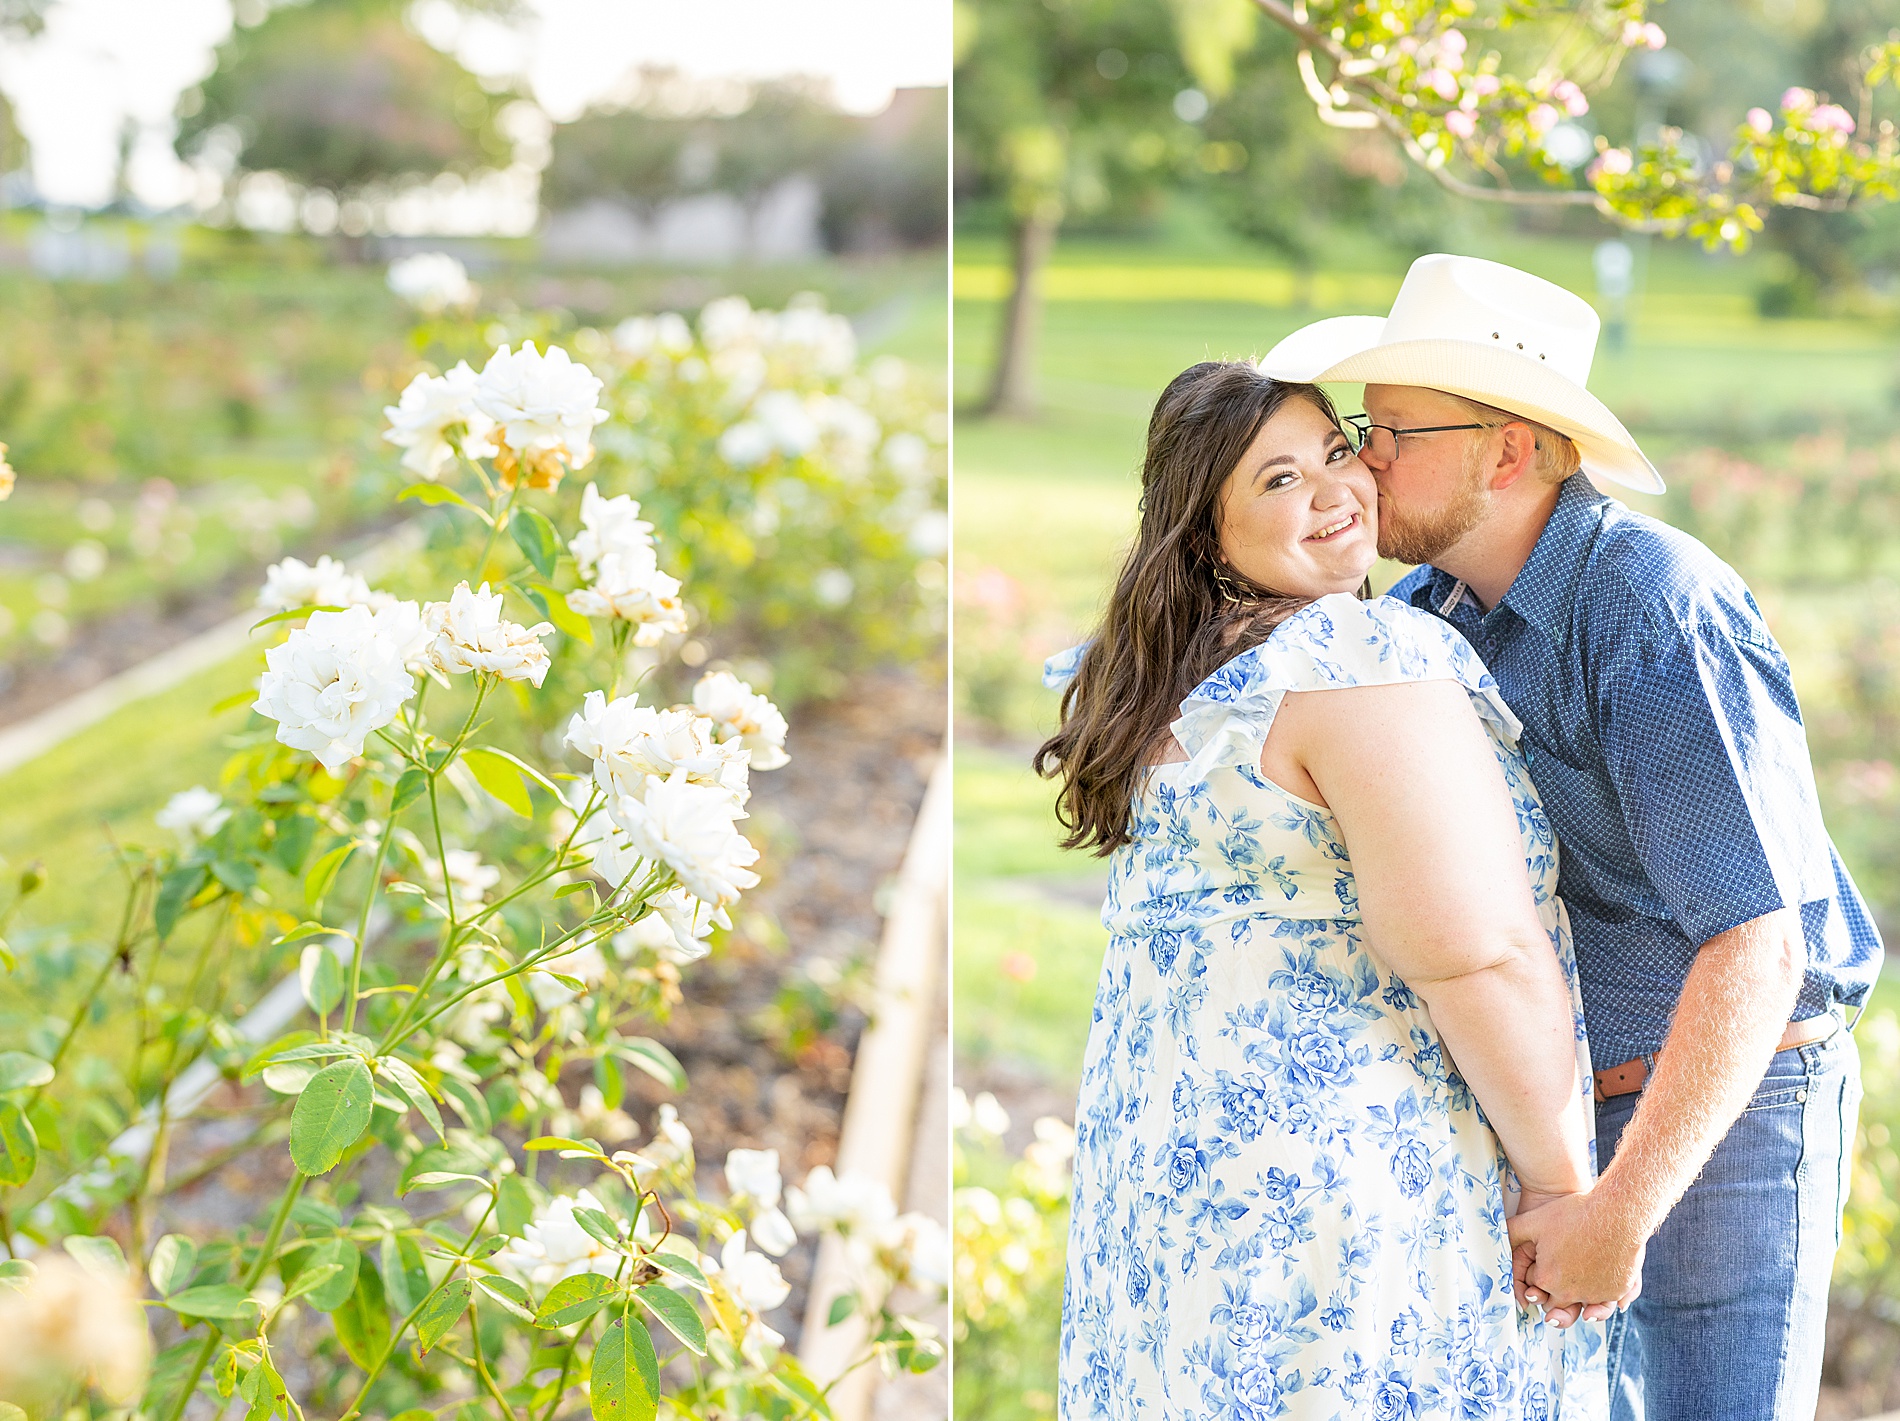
(1661, 729)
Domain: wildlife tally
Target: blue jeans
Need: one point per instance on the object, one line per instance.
(1733, 1312)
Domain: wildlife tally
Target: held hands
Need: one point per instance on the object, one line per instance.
(1563, 1256)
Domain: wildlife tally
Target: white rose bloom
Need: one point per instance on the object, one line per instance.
(689, 827)
(617, 861)
(608, 525)
(828, 339)
(555, 1246)
(751, 1277)
(67, 1328)
(631, 586)
(854, 1204)
(850, 424)
(435, 417)
(754, 1173)
(468, 875)
(667, 333)
(193, 814)
(338, 679)
(741, 715)
(907, 455)
(746, 444)
(726, 322)
(295, 583)
(773, 1232)
(471, 635)
(431, 281)
(833, 586)
(930, 535)
(630, 743)
(408, 631)
(675, 930)
(914, 1249)
(544, 407)
(672, 1144)
(787, 420)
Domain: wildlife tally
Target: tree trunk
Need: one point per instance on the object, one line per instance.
(1012, 390)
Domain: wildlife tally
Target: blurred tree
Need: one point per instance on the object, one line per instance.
(1070, 107)
(1484, 96)
(342, 94)
(626, 156)
(887, 185)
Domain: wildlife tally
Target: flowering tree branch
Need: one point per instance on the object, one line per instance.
(1408, 68)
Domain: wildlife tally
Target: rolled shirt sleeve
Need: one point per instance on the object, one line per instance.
(1703, 742)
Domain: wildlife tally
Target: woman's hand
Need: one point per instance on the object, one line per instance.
(1530, 1295)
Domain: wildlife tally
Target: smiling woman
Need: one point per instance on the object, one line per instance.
(1330, 876)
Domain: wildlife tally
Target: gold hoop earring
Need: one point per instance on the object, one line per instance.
(1229, 592)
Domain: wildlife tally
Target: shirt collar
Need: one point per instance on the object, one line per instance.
(1545, 586)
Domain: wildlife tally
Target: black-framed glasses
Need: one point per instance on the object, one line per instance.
(1382, 440)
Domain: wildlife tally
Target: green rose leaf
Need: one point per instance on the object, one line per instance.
(510, 1294)
(335, 1289)
(294, 835)
(575, 1300)
(323, 873)
(19, 1146)
(403, 1076)
(219, 1300)
(411, 785)
(564, 617)
(653, 1058)
(536, 538)
(19, 1071)
(321, 977)
(500, 778)
(311, 1277)
(468, 1104)
(625, 1385)
(101, 1257)
(173, 1260)
(433, 494)
(680, 1268)
(175, 891)
(678, 1313)
(442, 1312)
(332, 1113)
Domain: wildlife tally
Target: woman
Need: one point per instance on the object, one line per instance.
(1286, 1200)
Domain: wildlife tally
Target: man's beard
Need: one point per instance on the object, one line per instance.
(1415, 537)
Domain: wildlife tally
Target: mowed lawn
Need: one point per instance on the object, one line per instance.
(1051, 503)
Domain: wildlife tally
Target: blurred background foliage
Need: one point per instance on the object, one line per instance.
(1188, 218)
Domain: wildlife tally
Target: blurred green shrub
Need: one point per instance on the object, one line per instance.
(1011, 1227)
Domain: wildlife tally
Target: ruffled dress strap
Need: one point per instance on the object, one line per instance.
(1335, 642)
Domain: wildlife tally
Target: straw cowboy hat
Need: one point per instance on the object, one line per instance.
(1486, 331)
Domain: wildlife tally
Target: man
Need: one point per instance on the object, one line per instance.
(1720, 943)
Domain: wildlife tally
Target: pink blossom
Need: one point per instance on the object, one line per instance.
(1452, 42)
(1632, 33)
(1571, 97)
(1797, 100)
(1542, 119)
(1615, 162)
(1485, 85)
(1653, 36)
(1832, 116)
(1461, 123)
(1760, 121)
(1440, 81)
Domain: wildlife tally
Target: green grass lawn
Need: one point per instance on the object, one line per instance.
(1051, 503)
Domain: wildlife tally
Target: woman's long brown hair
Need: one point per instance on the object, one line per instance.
(1170, 622)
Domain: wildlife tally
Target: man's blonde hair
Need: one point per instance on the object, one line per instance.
(1557, 455)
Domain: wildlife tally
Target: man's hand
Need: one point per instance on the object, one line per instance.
(1569, 1252)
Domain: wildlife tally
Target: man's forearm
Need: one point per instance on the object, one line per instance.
(1734, 1008)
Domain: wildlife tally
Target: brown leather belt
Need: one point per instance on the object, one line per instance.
(1632, 1076)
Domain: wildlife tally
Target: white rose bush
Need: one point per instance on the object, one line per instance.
(475, 844)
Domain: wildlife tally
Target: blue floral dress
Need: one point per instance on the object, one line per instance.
(1287, 1203)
